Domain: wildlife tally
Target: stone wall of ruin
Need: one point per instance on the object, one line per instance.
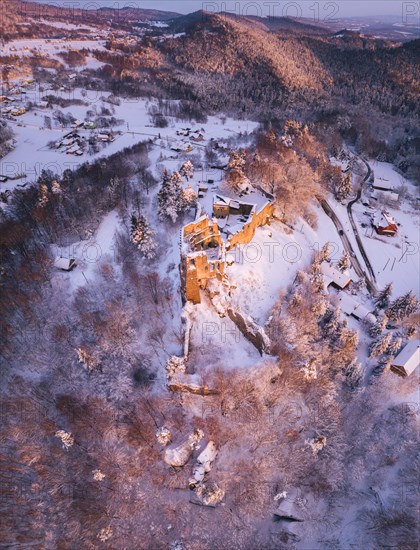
(197, 269)
(245, 236)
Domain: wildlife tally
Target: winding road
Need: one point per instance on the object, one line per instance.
(353, 224)
(370, 281)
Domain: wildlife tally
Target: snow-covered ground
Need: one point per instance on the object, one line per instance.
(32, 155)
(49, 47)
(394, 259)
(89, 253)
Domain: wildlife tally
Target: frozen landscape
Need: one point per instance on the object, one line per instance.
(209, 281)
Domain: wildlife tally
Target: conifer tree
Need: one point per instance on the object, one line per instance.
(383, 298)
(170, 196)
(142, 236)
(378, 328)
(402, 307)
(380, 346)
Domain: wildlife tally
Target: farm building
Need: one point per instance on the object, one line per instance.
(383, 185)
(408, 359)
(334, 277)
(384, 223)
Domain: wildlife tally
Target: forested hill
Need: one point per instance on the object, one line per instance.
(229, 63)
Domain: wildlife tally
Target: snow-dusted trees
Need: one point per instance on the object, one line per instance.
(236, 170)
(380, 346)
(395, 345)
(378, 328)
(142, 236)
(172, 198)
(189, 196)
(325, 253)
(344, 187)
(382, 301)
(353, 375)
(402, 307)
(43, 195)
(332, 324)
(344, 262)
(89, 359)
(187, 170)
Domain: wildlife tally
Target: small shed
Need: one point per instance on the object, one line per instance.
(408, 359)
(64, 264)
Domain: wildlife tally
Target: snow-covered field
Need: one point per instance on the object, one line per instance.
(394, 259)
(49, 47)
(32, 155)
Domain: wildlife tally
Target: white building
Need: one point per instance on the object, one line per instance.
(383, 185)
(350, 306)
(334, 276)
(408, 359)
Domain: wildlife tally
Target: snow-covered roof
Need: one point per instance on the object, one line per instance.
(409, 358)
(64, 263)
(350, 306)
(233, 203)
(383, 184)
(383, 219)
(332, 275)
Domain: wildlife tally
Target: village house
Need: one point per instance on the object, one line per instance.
(182, 148)
(18, 112)
(384, 223)
(333, 276)
(352, 307)
(408, 359)
(105, 137)
(77, 124)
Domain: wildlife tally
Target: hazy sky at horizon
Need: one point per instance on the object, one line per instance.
(321, 9)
